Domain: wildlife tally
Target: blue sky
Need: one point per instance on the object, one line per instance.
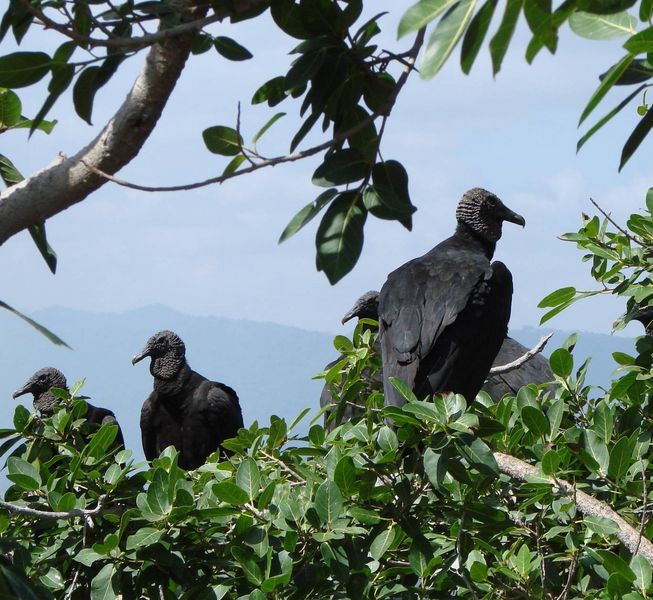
(214, 251)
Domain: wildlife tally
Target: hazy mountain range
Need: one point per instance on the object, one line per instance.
(271, 366)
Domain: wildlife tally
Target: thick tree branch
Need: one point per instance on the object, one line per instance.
(518, 362)
(67, 181)
(46, 514)
(627, 534)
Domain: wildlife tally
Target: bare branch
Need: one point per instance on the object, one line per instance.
(45, 514)
(627, 534)
(271, 162)
(515, 364)
(67, 181)
(118, 42)
(609, 218)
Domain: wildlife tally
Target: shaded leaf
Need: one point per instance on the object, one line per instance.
(222, 140)
(612, 76)
(501, 39)
(421, 14)
(636, 138)
(475, 35)
(231, 49)
(42, 330)
(21, 69)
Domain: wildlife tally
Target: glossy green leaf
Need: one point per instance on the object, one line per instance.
(435, 467)
(550, 461)
(272, 92)
(248, 477)
(22, 473)
(475, 34)
(104, 585)
(602, 27)
(381, 543)
(444, 37)
(306, 214)
(403, 389)
(501, 39)
(636, 138)
(620, 459)
(642, 569)
(606, 84)
(328, 501)
(478, 455)
(231, 493)
(271, 121)
(558, 297)
(339, 238)
(231, 49)
(342, 166)
(641, 42)
(345, 476)
(21, 69)
(535, 420)
(144, 537)
(597, 449)
(421, 14)
(10, 108)
(602, 421)
(561, 362)
(225, 141)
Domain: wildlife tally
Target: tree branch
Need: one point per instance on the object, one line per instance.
(134, 42)
(46, 514)
(67, 181)
(515, 364)
(271, 162)
(627, 534)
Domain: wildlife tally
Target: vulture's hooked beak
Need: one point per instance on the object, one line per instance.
(513, 217)
(21, 391)
(141, 355)
(350, 314)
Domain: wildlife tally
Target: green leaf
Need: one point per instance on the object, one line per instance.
(602, 27)
(21, 69)
(90, 80)
(636, 138)
(550, 462)
(87, 556)
(339, 238)
(345, 476)
(272, 92)
(602, 421)
(233, 165)
(225, 141)
(642, 569)
(23, 474)
(21, 418)
(475, 35)
(231, 49)
(421, 14)
(328, 502)
(340, 167)
(597, 449)
(435, 467)
(10, 108)
(558, 297)
(419, 555)
(306, 214)
(381, 543)
(535, 420)
(406, 393)
(641, 42)
(144, 537)
(620, 459)
(102, 440)
(230, 493)
(561, 362)
(501, 39)
(601, 122)
(444, 37)
(387, 439)
(611, 77)
(478, 454)
(267, 126)
(388, 198)
(62, 76)
(104, 585)
(248, 477)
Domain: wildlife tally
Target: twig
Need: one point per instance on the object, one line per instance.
(586, 504)
(609, 218)
(515, 364)
(572, 570)
(141, 42)
(271, 162)
(45, 514)
(284, 466)
(645, 491)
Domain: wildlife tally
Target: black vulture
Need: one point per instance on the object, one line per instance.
(40, 384)
(535, 370)
(366, 307)
(443, 316)
(185, 409)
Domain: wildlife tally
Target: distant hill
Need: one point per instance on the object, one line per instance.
(271, 366)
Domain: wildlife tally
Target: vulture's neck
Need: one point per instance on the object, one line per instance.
(45, 403)
(172, 385)
(474, 241)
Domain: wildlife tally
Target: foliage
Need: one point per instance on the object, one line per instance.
(342, 79)
(409, 502)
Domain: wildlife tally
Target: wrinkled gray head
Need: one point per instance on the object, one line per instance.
(366, 307)
(167, 352)
(484, 213)
(39, 386)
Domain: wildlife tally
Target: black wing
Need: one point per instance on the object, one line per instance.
(159, 429)
(100, 416)
(418, 302)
